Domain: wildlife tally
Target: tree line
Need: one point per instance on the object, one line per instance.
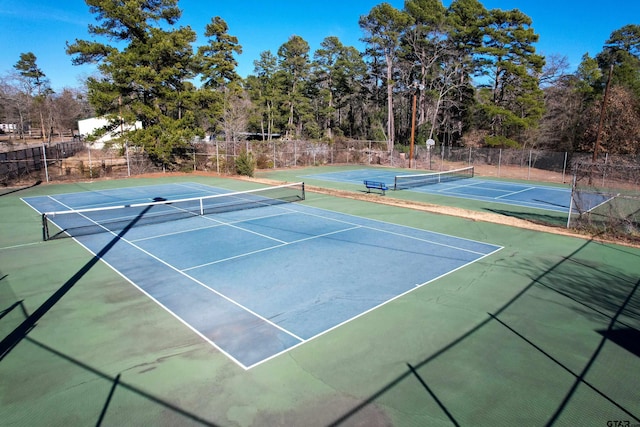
(460, 75)
(29, 107)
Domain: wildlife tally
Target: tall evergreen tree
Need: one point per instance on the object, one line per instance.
(435, 57)
(622, 50)
(512, 67)
(349, 92)
(325, 70)
(383, 28)
(216, 59)
(264, 91)
(589, 77)
(145, 73)
(217, 67)
(294, 64)
(338, 71)
(35, 84)
(464, 18)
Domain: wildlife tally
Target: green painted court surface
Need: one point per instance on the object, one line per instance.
(543, 332)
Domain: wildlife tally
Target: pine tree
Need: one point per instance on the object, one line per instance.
(145, 73)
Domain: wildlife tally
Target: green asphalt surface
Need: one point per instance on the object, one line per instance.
(544, 332)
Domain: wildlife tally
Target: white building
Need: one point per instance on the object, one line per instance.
(89, 126)
(8, 127)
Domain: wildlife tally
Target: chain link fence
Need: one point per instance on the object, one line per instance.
(32, 162)
(605, 198)
(615, 180)
(527, 164)
(74, 159)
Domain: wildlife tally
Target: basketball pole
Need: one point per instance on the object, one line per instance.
(413, 127)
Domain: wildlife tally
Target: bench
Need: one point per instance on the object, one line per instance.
(375, 185)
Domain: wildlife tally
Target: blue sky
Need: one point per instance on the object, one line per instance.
(568, 28)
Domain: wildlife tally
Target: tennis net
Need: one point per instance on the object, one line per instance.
(80, 222)
(418, 180)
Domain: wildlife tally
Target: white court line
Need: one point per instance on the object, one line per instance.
(516, 192)
(449, 187)
(422, 230)
(20, 246)
(400, 234)
(450, 191)
(180, 319)
(256, 233)
(133, 191)
(80, 214)
(369, 310)
(216, 223)
(270, 248)
(478, 185)
(355, 224)
(232, 301)
(299, 339)
(174, 207)
(204, 285)
(603, 202)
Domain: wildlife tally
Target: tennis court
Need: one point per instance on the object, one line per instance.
(157, 323)
(249, 272)
(464, 185)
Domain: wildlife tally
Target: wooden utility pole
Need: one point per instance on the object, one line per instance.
(413, 127)
(596, 148)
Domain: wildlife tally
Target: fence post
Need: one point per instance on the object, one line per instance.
(274, 153)
(91, 165)
(564, 165)
(529, 168)
(217, 158)
(499, 161)
(126, 151)
(573, 189)
(44, 155)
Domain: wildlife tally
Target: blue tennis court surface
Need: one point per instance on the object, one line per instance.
(258, 282)
(556, 199)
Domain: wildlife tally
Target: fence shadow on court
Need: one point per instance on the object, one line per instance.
(15, 336)
(29, 321)
(597, 292)
(116, 381)
(118, 384)
(12, 309)
(15, 190)
(592, 297)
